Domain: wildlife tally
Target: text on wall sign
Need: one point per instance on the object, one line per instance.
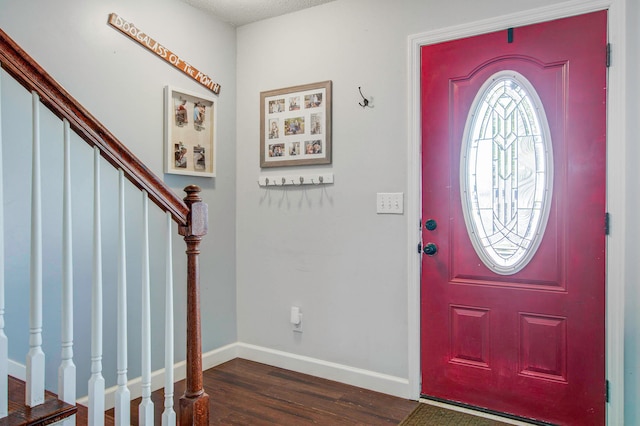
(139, 36)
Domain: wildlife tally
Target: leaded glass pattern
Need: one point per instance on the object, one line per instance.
(506, 172)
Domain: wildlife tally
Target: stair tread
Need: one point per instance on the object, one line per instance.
(51, 411)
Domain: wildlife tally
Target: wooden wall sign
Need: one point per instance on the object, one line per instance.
(129, 29)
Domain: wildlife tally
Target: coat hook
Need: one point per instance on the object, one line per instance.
(365, 100)
(321, 179)
(266, 181)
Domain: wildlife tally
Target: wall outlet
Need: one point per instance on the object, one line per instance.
(296, 319)
(390, 203)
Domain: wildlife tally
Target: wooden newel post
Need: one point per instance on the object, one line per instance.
(194, 404)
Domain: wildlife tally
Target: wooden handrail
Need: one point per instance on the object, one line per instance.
(26, 71)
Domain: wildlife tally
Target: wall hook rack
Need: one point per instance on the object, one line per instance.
(296, 180)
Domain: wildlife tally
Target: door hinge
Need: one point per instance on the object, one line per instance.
(419, 248)
(607, 221)
(608, 60)
(606, 390)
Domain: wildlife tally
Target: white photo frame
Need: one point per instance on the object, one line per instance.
(190, 133)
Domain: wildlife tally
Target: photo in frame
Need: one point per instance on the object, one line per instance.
(190, 133)
(295, 125)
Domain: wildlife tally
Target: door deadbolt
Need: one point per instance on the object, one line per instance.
(430, 224)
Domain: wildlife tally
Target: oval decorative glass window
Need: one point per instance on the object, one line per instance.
(506, 173)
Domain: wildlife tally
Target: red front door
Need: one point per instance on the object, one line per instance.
(529, 343)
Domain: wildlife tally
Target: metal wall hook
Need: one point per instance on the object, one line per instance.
(365, 101)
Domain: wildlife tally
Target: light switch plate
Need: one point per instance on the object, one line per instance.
(390, 203)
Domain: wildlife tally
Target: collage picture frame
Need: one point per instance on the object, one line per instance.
(190, 133)
(295, 125)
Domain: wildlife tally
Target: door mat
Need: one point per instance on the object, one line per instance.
(431, 415)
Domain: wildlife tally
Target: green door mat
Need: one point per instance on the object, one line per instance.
(431, 415)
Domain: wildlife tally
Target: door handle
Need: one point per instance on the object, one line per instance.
(430, 249)
(430, 224)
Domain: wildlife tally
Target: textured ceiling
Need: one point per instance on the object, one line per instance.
(240, 12)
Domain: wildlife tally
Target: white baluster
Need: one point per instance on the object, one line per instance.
(67, 369)
(123, 395)
(96, 382)
(4, 344)
(34, 394)
(145, 412)
(169, 415)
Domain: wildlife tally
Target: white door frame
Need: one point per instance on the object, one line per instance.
(616, 184)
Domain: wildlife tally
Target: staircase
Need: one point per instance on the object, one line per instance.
(52, 411)
(77, 165)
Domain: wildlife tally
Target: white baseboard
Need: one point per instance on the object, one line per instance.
(384, 383)
(209, 360)
(366, 379)
(17, 370)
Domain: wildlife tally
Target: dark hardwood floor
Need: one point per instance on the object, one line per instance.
(243, 392)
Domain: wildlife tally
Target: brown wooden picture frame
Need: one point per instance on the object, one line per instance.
(295, 125)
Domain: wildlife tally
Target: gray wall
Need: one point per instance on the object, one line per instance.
(325, 249)
(121, 84)
(632, 232)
